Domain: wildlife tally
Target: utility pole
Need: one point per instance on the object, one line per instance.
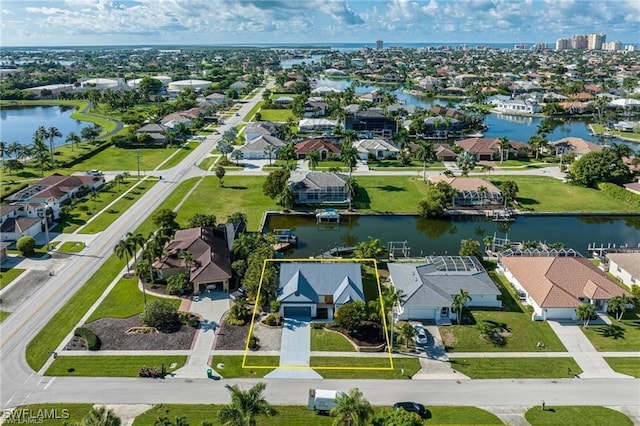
(138, 156)
(46, 226)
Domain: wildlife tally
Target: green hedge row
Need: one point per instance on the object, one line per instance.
(619, 193)
(93, 342)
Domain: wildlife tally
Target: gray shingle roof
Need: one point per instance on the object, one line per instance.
(317, 180)
(302, 281)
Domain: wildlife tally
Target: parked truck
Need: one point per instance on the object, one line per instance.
(323, 400)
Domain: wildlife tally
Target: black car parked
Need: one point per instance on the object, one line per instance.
(413, 407)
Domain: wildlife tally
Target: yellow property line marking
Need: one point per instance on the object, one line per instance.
(347, 354)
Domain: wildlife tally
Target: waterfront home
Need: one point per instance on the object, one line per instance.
(471, 191)
(325, 147)
(211, 269)
(319, 187)
(315, 107)
(370, 121)
(573, 145)
(489, 148)
(428, 288)
(625, 267)
(377, 148)
(317, 125)
(517, 106)
(317, 290)
(556, 286)
(258, 148)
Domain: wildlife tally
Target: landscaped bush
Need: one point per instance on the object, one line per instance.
(317, 325)
(26, 244)
(179, 284)
(620, 193)
(273, 320)
(92, 341)
(160, 314)
(253, 342)
(187, 318)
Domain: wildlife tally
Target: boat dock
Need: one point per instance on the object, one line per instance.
(327, 216)
(285, 239)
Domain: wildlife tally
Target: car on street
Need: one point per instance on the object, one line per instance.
(413, 407)
(94, 172)
(421, 335)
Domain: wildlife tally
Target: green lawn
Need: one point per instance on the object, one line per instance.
(180, 155)
(250, 115)
(599, 129)
(239, 194)
(68, 316)
(8, 275)
(385, 194)
(124, 301)
(620, 336)
(111, 366)
(288, 415)
(542, 194)
(353, 367)
(72, 247)
(207, 162)
(233, 365)
(56, 414)
(575, 415)
(625, 365)
(324, 340)
(4, 315)
(114, 158)
(106, 217)
(516, 368)
(276, 115)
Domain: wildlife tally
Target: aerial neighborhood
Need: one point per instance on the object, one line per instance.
(192, 217)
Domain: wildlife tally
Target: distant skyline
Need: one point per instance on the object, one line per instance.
(189, 22)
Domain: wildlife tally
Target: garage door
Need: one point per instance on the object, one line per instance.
(422, 313)
(297, 311)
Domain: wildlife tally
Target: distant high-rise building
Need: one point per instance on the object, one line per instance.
(563, 44)
(379, 45)
(630, 48)
(595, 41)
(612, 45)
(579, 41)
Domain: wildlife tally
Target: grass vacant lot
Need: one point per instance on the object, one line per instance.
(288, 415)
(625, 365)
(575, 415)
(106, 217)
(182, 152)
(68, 316)
(72, 412)
(619, 336)
(239, 194)
(111, 366)
(516, 368)
(325, 340)
(207, 162)
(114, 158)
(277, 115)
(542, 194)
(8, 275)
(348, 367)
(233, 365)
(72, 247)
(385, 194)
(124, 301)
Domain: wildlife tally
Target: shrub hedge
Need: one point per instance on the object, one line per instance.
(620, 193)
(92, 341)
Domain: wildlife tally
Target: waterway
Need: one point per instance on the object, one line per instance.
(20, 123)
(442, 236)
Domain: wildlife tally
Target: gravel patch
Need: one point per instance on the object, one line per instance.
(111, 333)
(233, 337)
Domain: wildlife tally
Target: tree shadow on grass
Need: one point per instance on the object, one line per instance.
(611, 331)
(361, 199)
(27, 175)
(235, 187)
(391, 188)
(528, 201)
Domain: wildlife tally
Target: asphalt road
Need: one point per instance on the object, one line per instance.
(19, 385)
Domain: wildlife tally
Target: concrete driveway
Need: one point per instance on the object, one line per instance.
(295, 349)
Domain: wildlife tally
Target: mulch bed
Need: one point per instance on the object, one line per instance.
(368, 334)
(111, 331)
(231, 337)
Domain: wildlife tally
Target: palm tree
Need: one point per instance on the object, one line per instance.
(584, 312)
(349, 155)
(288, 153)
(351, 186)
(40, 150)
(220, 172)
(99, 416)
(287, 198)
(245, 406)
(123, 249)
(504, 145)
(189, 260)
(73, 139)
(459, 301)
(136, 242)
(406, 333)
(425, 153)
(465, 161)
(51, 134)
(269, 150)
(242, 245)
(314, 158)
(618, 305)
(352, 409)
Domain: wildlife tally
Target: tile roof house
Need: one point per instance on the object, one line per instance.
(489, 148)
(317, 289)
(156, 131)
(319, 187)
(378, 148)
(468, 193)
(210, 249)
(324, 146)
(255, 148)
(625, 267)
(577, 146)
(428, 288)
(555, 286)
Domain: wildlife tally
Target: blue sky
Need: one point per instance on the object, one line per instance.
(108, 22)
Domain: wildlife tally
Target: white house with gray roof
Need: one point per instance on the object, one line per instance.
(319, 187)
(255, 149)
(625, 267)
(317, 289)
(378, 148)
(428, 288)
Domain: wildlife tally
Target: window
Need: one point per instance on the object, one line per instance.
(618, 269)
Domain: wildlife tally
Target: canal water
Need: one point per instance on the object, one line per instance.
(442, 236)
(20, 123)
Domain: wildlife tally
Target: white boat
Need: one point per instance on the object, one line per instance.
(328, 215)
